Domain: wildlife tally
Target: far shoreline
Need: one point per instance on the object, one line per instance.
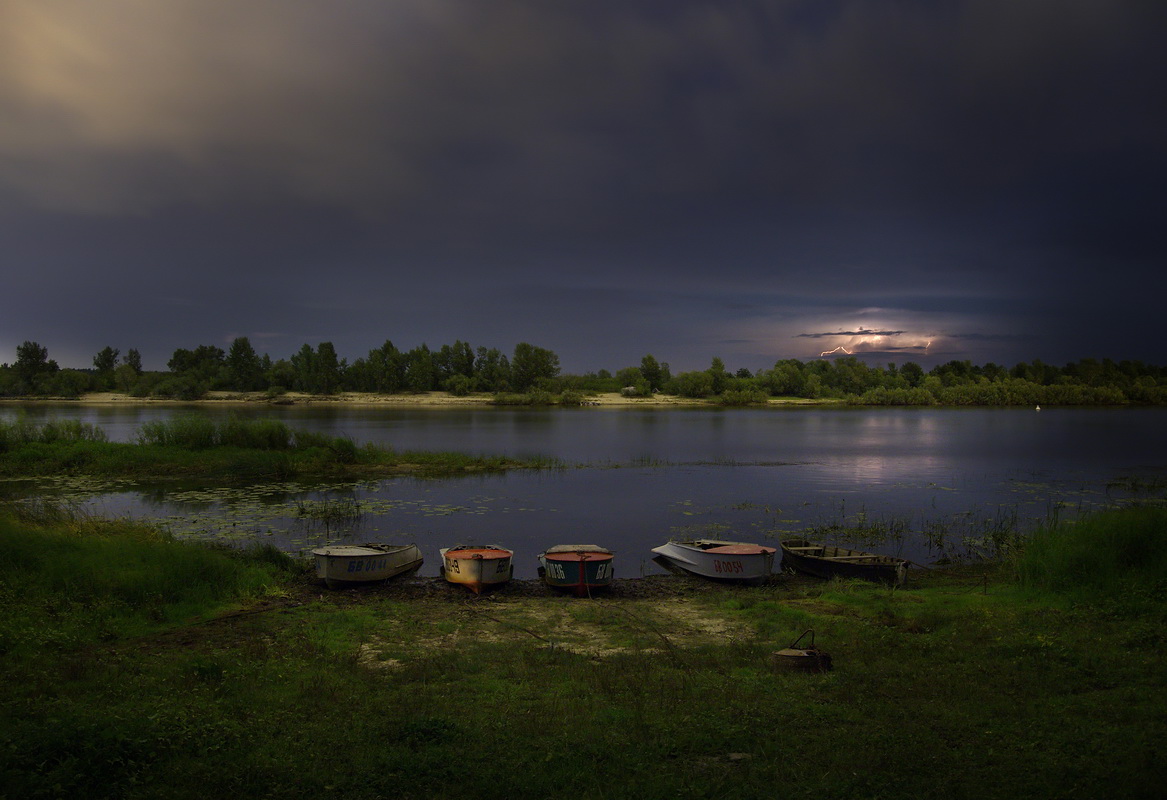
(421, 400)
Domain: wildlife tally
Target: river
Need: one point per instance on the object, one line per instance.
(920, 483)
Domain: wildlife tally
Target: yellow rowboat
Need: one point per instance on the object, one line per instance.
(477, 567)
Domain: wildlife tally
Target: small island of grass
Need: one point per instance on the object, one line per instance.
(193, 446)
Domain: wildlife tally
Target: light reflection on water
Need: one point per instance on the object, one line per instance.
(749, 474)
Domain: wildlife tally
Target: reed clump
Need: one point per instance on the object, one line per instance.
(1116, 557)
(114, 577)
(22, 431)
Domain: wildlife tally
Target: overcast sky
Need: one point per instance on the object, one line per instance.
(973, 179)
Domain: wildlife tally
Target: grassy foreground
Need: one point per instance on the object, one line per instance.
(237, 450)
(137, 667)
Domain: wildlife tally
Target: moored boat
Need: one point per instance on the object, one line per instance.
(352, 564)
(827, 561)
(579, 568)
(739, 562)
(477, 566)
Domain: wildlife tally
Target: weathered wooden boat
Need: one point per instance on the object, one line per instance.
(352, 564)
(477, 566)
(579, 568)
(740, 562)
(827, 561)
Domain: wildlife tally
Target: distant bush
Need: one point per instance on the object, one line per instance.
(180, 388)
(638, 388)
(570, 398)
(744, 397)
(459, 385)
(691, 384)
(537, 397)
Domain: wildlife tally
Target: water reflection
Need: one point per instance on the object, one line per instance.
(752, 474)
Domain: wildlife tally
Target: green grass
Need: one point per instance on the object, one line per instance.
(1116, 559)
(99, 579)
(965, 684)
(234, 450)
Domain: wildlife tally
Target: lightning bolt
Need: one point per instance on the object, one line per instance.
(837, 349)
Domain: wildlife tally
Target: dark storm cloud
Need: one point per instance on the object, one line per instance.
(860, 332)
(702, 175)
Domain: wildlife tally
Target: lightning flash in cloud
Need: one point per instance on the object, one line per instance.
(870, 342)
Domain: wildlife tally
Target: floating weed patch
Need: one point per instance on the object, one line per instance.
(344, 509)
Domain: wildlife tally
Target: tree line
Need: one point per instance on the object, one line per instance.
(534, 372)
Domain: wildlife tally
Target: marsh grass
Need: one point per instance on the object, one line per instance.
(23, 432)
(1116, 558)
(114, 577)
(233, 450)
(968, 684)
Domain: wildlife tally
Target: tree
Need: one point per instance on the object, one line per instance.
(32, 361)
(303, 369)
(386, 369)
(244, 368)
(913, 373)
(133, 360)
(719, 375)
(202, 364)
(420, 374)
(317, 371)
(493, 370)
(653, 372)
(329, 370)
(106, 360)
(694, 384)
(125, 378)
(453, 360)
(531, 364)
(786, 379)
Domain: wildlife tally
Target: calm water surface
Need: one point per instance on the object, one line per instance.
(637, 477)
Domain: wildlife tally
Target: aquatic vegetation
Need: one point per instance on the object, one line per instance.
(24, 432)
(328, 510)
(233, 450)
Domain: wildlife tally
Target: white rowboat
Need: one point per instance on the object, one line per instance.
(739, 562)
(349, 565)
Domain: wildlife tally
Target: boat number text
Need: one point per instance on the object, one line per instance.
(728, 567)
(554, 570)
(453, 565)
(367, 565)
